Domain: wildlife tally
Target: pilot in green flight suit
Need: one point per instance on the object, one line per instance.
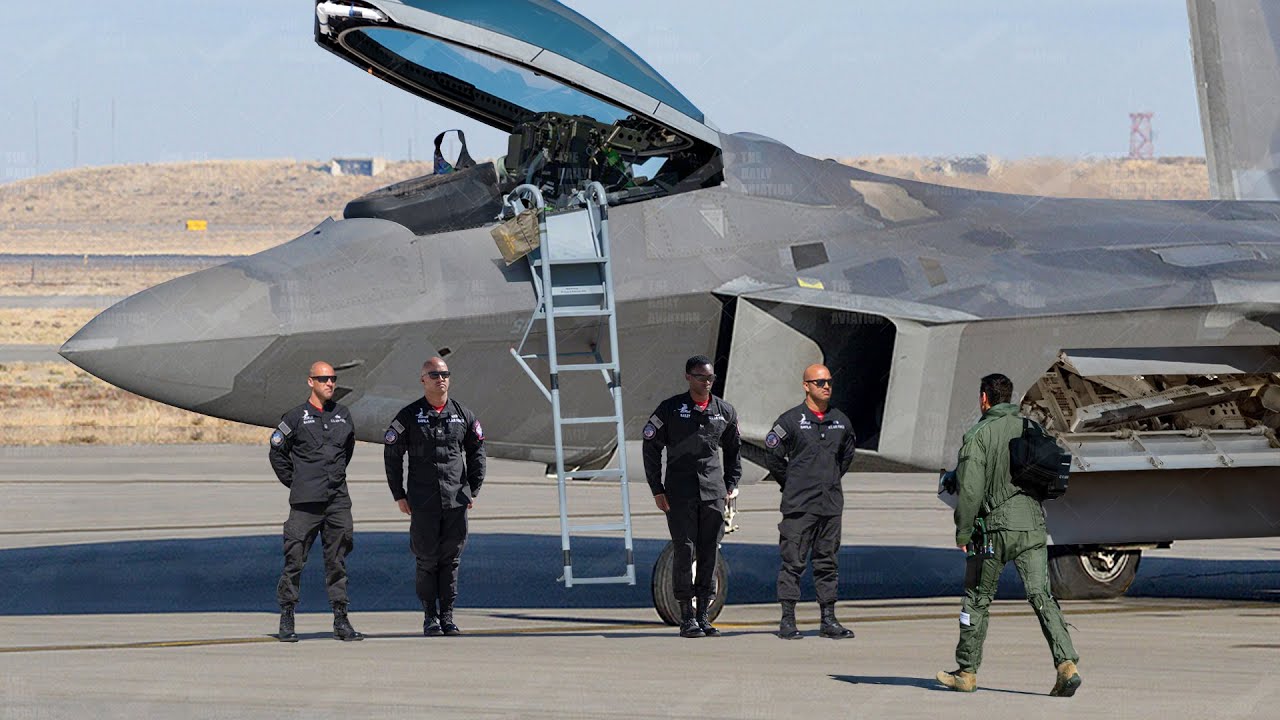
(1015, 532)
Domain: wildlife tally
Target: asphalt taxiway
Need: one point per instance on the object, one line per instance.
(139, 582)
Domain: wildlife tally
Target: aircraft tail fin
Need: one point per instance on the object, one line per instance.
(1236, 50)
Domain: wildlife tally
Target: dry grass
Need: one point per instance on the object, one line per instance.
(59, 404)
(1175, 178)
(41, 326)
(250, 205)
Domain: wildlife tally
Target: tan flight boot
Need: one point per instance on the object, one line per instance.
(1068, 680)
(959, 680)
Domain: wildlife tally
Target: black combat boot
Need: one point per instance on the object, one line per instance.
(447, 625)
(787, 629)
(342, 629)
(286, 633)
(689, 627)
(703, 619)
(431, 620)
(831, 627)
(431, 625)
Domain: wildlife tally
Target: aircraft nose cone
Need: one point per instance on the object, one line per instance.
(182, 342)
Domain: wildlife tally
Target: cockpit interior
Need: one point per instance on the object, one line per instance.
(577, 125)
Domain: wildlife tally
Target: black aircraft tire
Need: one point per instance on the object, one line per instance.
(664, 594)
(1090, 573)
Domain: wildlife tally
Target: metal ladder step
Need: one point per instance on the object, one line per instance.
(587, 366)
(575, 290)
(629, 579)
(598, 527)
(599, 420)
(584, 260)
(578, 312)
(588, 474)
(585, 353)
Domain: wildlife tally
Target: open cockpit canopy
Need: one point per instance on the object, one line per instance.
(578, 104)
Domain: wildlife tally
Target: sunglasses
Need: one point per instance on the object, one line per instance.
(438, 374)
(325, 378)
(820, 382)
(703, 378)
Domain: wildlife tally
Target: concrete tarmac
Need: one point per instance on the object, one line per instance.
(139, 582)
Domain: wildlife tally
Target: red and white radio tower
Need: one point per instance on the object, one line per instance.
(1140, 141)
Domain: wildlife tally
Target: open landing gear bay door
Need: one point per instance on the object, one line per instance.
(503, 62)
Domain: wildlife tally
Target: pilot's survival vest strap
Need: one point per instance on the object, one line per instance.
(442, 166)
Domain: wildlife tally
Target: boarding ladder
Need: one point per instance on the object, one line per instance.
(572, 278)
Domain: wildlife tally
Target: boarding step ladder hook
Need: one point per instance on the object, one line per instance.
(572, 278)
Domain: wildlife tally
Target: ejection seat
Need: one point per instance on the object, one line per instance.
(457, 196)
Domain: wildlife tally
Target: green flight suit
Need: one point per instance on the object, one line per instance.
(1015, 522)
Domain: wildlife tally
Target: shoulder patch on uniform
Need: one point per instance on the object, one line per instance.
(655, 421)
(479, 431)
(284, 429)
(649, 431)
(391, 436)
(277, 438)
(780, 431)
(395, 425)
(771, 440)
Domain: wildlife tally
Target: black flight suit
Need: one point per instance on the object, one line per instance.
(446, 468)
(808, 456)
(310, 450)
(696, 484)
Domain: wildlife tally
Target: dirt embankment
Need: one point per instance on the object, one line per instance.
(1172, 178)
(249, 205)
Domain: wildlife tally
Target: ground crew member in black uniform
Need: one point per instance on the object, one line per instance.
(809, 449)
(445, 444)
(694, 427)
(1011, 528)
(310, 450)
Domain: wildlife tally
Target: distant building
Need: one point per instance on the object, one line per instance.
(971, 165)
(357, 166)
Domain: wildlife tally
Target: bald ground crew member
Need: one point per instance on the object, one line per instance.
(445, 445)
(310, 451)
(809, 449)
(695, 428)
(1014, 531)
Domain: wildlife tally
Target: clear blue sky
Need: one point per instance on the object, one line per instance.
(244, 79)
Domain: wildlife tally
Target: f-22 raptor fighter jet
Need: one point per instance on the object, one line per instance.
(1143, 334)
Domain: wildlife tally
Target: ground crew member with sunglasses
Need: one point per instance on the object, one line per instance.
(694, 427)
(809, 449)
(445, 444)
(310, 451)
